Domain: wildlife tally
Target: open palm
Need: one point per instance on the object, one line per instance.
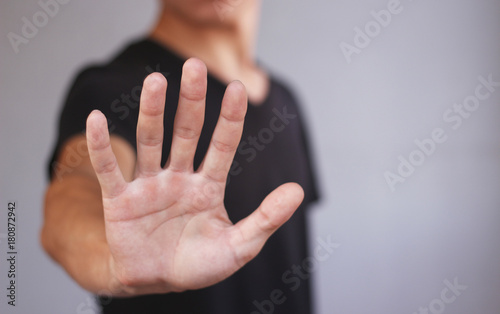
(168, 229)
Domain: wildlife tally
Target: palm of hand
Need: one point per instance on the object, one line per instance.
(182, 235)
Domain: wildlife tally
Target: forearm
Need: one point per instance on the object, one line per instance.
(74, 234)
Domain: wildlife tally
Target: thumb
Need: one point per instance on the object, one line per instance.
(250, 234)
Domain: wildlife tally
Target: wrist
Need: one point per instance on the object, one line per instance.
(114, 287)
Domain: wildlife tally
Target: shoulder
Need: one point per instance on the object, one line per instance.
(123, 75)
(282, 91)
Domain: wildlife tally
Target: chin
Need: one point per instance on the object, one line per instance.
(203, 12)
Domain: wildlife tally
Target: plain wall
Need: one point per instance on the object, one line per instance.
(397, 250)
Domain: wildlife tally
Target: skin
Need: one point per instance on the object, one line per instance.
(122, 225)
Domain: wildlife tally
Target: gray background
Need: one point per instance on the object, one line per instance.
(398, 248)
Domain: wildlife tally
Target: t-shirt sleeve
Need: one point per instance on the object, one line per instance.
(94, 88)
(312, 191)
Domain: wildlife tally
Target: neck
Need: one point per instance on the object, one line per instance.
(227, 49)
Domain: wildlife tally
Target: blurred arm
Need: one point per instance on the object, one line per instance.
(73, 233)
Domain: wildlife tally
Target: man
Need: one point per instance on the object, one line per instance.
(146, 218)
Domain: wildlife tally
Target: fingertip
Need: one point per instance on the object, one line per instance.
(155, 82)
(235, 101)
(238, 87)
(297, 191)
(94, 114)
(96, 129)
(295, 188)
(195, 65)
(289, 196)
(94, 119)
(194, 80)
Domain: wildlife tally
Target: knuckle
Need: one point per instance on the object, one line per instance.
(224, 146)
(192, 93)
(267, 223)
(185, 133)
(106, 166)
(150, 140)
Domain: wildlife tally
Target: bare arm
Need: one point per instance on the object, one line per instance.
(160, 229)
(73, 232)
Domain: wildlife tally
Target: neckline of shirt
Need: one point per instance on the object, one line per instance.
(163, 49)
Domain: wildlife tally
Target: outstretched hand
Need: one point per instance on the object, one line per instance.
(168, 229)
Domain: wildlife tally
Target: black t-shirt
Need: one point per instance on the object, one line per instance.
(273, 150)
